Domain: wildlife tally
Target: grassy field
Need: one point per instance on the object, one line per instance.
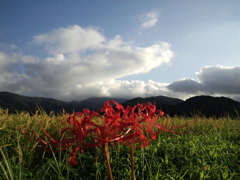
(206, 149)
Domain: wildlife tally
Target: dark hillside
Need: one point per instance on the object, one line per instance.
(14, 102)
(95, 103)
(205, 105)
(159, 101)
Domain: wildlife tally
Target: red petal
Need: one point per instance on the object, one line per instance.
(161, 113)
(72, 159)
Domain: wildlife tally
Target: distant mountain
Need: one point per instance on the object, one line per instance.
(15, 102)
(207, 106)
(159, 101)
(95, 103)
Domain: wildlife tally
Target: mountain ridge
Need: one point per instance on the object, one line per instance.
(15, 102)
(157, 100)
(207, 106)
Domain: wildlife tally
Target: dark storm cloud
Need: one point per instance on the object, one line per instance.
(220, 79)
(212, 80)
(186, 86)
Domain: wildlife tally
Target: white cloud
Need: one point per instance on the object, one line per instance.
(70, 40)
(75, 76)
(149, 19)
(82, 62)
(127, 89)
(94, 68)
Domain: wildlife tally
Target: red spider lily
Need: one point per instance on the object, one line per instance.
(141, 120)
(131, 126)
(137, 123)
(119, 121)
(81, 127)
(112, 127)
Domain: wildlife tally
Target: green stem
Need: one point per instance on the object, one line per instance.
(132, 162)
(107, 156)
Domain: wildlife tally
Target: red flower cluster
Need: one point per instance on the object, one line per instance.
(131, 126)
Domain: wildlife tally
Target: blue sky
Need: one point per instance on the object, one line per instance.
(78, 49)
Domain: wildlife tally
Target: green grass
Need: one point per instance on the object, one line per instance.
(205, 149)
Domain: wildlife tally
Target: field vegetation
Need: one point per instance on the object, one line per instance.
(207, 148)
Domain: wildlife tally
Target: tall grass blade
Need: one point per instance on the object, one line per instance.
(7, 170)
